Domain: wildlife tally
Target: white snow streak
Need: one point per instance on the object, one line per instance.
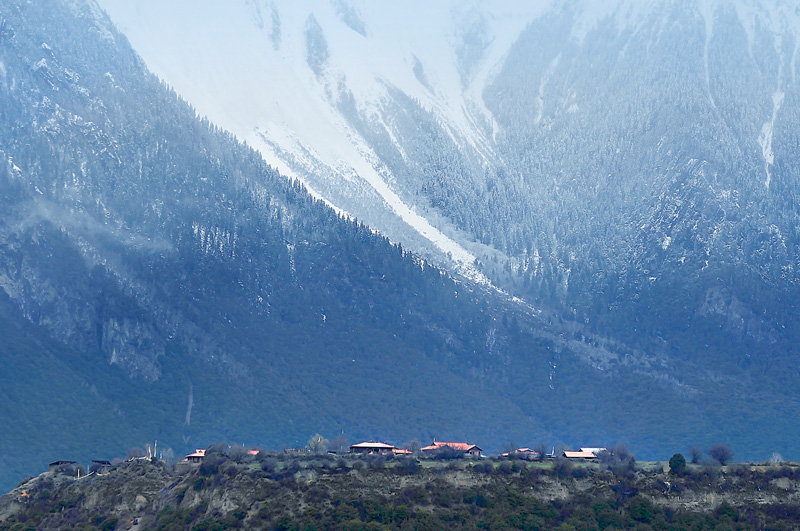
(767, 130)
(543, 83)
(189, 406)
(765, 139)
(363, 163)
(219, 58)
(708, 15)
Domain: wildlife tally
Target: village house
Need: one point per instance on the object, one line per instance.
(469, 450)
(584, 453)
(371, 447)
(522, 453)
(197, 456)
(595, 450)
(579, 455)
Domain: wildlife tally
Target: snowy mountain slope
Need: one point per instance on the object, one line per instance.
(246, 65)
(313, 85)
(159, 280)
(618, 163)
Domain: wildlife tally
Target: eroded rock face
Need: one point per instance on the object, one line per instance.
(739, 318)
(73, 302)
(132, 345)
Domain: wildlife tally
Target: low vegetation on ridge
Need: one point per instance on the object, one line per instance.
(232, 489)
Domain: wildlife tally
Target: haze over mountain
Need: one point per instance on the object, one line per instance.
(628, 170)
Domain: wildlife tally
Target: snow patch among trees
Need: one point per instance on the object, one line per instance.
(765, 139)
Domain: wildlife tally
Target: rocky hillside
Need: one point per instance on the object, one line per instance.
(276, 491)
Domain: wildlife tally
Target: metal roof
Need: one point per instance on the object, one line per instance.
(373, 444)
(200, 452)
(593, 450)
(579, 455)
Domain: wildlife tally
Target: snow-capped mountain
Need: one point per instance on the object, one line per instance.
(320, 87)
(582, 154)
(159, 281)
(302, 81)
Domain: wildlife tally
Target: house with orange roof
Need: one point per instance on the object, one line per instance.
(579, 455)
(584, 453)
(469, 450)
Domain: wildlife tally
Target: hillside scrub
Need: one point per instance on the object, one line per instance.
(280, 491)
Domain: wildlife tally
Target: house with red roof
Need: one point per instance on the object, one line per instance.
(469, 450)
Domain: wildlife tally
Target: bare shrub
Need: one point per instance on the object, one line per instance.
(721, 453)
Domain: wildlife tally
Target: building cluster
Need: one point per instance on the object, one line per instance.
(438, 449)
(583, 453)
(374, 447)
(434, 450)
